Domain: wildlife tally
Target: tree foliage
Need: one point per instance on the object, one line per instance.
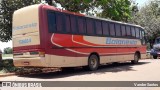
(149, 17)
(8, 50)
(119, 10)
(75, 5)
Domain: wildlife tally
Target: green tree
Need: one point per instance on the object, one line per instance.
(75, 5)
(119, 10)
(149, 17)
(7, 7)
(8, 50)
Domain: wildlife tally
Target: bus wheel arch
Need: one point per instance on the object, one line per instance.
(93, 61)
(137, 56)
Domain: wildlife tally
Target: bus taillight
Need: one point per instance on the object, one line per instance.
(42, 54)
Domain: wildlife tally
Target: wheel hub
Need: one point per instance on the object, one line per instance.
(93, 63)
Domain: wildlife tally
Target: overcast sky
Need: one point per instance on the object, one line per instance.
(9, 44)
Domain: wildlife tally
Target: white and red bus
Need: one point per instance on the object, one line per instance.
(44, 36)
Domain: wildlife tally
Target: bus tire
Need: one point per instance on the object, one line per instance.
(155, 56)
(93, 62)
(136, 58)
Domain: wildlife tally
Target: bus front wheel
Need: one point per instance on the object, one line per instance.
(136, 58)
(93, 62)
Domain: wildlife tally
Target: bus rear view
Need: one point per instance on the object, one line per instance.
(26, 38)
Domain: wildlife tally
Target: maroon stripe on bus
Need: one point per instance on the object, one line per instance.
(27, 48)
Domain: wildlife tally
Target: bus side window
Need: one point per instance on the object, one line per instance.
(133, 32)
(105, 28)
(81, 25)
(73, 24)
(112, 29)
(90, 27)
(60, 22)
(51, 22)
(137, 32)
(143, 38)
(67, 24)
(140, 34)
(98, 27)
(128, 29)
(118, 29)
(123, 28)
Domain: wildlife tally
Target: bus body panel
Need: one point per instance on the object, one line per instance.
(83, 47)
(26, 38)
(26, 27)
(26, 20)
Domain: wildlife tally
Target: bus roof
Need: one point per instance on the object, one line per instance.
(79, 14)
(32, 6)
(114, 21)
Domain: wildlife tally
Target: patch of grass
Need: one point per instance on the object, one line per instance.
(7, 55)
(7, 66)
(3, 71)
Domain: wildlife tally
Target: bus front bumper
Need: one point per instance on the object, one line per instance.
(29, 62)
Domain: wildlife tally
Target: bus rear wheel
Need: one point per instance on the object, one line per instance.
(136, 58)
(155, 56)
(93, 62)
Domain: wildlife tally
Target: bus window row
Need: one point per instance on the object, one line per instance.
(64, 23)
